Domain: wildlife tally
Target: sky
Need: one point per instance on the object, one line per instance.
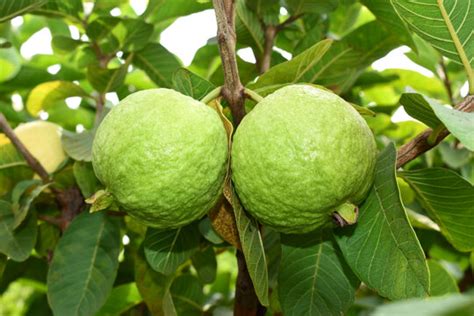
(183, 38)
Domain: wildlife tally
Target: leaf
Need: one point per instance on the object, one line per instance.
(386, 14)
(223, 222)
(382, 249)
(47, 94)
(22, 205)
(16, 244)
(9, 9)
(161, 10)
(458, 123)
(71, 9)
(48, 237)
(454, 157)
(158, 63)
(441, 282)
(3, 264)
(10, 63)
(65, 44)
(85, 178)
(450, 305)
(100, 200)
(418, 107)
(296, 7)
(191, 84)
(313, 277)
(248, 27)
(188, 296)
(206, 230)
(166, 250)
(204, 261)
(153, 286)
(121, 299)
(84, 265)
(294, 70)
(424, 55)
(444, 24)
(449, 200)
(105, 80)
(78, 146)
(252, 247)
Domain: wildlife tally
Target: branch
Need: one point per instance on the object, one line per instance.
(443, 72)
(290, 20)
(232, 90)
(270, 34)
(30, 159)
(420, 144)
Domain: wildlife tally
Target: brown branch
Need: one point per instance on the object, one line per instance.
(30, 159)
(288, 21)
(443, 72)
(420, 144)
(233, 89)
(270, 34)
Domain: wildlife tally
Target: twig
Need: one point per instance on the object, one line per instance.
(270, 33)
(290, 20)
(30, 159)
(447, 83)
(420, 144)
(232, 90)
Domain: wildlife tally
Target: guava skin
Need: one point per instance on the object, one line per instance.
(163, 157)
(298, 155)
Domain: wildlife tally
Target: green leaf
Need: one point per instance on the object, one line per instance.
(296, 7)
(267, 10)
(3, 264)
(191, 84)
(386, 14)
(446, 25)
(71, 9)
(46, 95)
(166, 250)
(85, 178)
(208, 232)
(424, 55)
(16, 243)
(252, 247)
(454, 157)
(441, 282)
(153, 286)
(158, 63)
(294, 70)
(382, 249)
(450, 305)
(458, 123)
(13, 167)
(10, 9)
(65, 44)
(48, 237)
(84, 265)
(10, 63)
(418, 107)
(22, 202)
(188, 296)
(78, 146)
(105, 80)
(122, 298)
(314, 278)
(248, 27)
(449, 200)
(204, 261)
(161, 10)
(100, 200)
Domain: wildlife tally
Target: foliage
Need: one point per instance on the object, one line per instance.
(63, 259)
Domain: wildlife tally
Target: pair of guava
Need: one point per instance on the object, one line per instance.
(300, 155)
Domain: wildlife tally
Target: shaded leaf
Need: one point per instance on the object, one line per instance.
(85, 178)
(191, 84)
(84, 265)
(296, 7)
(166, 250)
(46, 95)
(158, 63)
(441, 282)
(248, 27)
(122, 298)
(105, 80)
(78, 146)
(449, 200)
(382, 249)
(418, 107)
(22, 202)
(252, 247)
(187, 295)
(9, 9)
(71, 9)
(459, 305)
(206, 230)
(16, 244)
(48, 237)
(204, 261)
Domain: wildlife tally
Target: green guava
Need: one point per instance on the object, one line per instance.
(162, 156)
(299, 155)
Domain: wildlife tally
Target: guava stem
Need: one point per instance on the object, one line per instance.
(214, 94)
(346, 214)
(253, 95)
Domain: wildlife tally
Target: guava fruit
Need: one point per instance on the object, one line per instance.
(163, 156)
(299, 155)
(43, 140)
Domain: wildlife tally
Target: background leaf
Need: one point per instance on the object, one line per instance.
(441, 282)
(10, 9)
(78, 146)
(187, 294)
(204, 261)
(84, 265)
(166, 250)
(313, 277)
(122, 298)
(449, 200)
(191, 84)
(382, 249)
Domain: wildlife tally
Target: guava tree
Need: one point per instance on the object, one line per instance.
(71, 243)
